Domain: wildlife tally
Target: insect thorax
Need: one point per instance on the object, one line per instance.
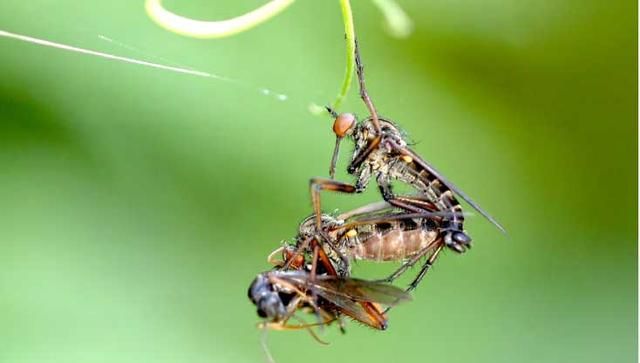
(308, 228)
(382, 159)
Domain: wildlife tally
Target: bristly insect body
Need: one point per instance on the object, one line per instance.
(376, 232)
(381, 153)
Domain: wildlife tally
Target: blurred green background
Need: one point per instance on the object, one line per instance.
(138, 204)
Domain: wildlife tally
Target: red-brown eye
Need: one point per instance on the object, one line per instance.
(343, 124)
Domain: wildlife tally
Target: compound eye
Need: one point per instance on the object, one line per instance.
(343, 124)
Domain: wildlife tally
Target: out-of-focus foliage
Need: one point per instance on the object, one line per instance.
(138, 204)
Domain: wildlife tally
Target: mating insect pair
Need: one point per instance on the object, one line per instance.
(316, 270)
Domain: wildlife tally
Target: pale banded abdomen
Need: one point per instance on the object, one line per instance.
(433, 189)
(393, 245)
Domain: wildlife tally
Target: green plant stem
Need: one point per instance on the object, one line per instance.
(224, 28)
(350, 38)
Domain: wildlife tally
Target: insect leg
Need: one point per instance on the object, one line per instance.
(424, 269)
(312, 278)
(372, 111)
(292, 261)
(316, 185)
(375, 317)
(271, 259)
(369, 208)
(415, 205)
(363, 91)
(324, 259)
(405, 266)
(324, 318)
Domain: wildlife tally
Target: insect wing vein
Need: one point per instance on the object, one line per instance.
(417, 159)
(362, 290)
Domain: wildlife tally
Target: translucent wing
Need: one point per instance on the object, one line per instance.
(418, 160)
(362, 290)
(355, 289)
(353, 297)
(364, 312)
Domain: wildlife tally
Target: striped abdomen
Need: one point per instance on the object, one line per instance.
(390, 241)
(433, 189)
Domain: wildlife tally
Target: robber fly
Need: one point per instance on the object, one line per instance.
(381, 152)
(376, 232)
(295, 285)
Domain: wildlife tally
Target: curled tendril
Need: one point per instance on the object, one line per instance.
(213, 29)
(397, 22)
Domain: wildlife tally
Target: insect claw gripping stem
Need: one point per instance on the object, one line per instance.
(364, 94)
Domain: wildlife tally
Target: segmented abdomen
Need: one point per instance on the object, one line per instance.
(434, 190)
(391, 242)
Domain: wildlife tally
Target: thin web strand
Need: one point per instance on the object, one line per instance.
(191, 72)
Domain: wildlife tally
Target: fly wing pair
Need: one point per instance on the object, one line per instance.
(353, 297)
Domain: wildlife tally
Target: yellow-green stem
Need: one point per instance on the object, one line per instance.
(350, 38)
